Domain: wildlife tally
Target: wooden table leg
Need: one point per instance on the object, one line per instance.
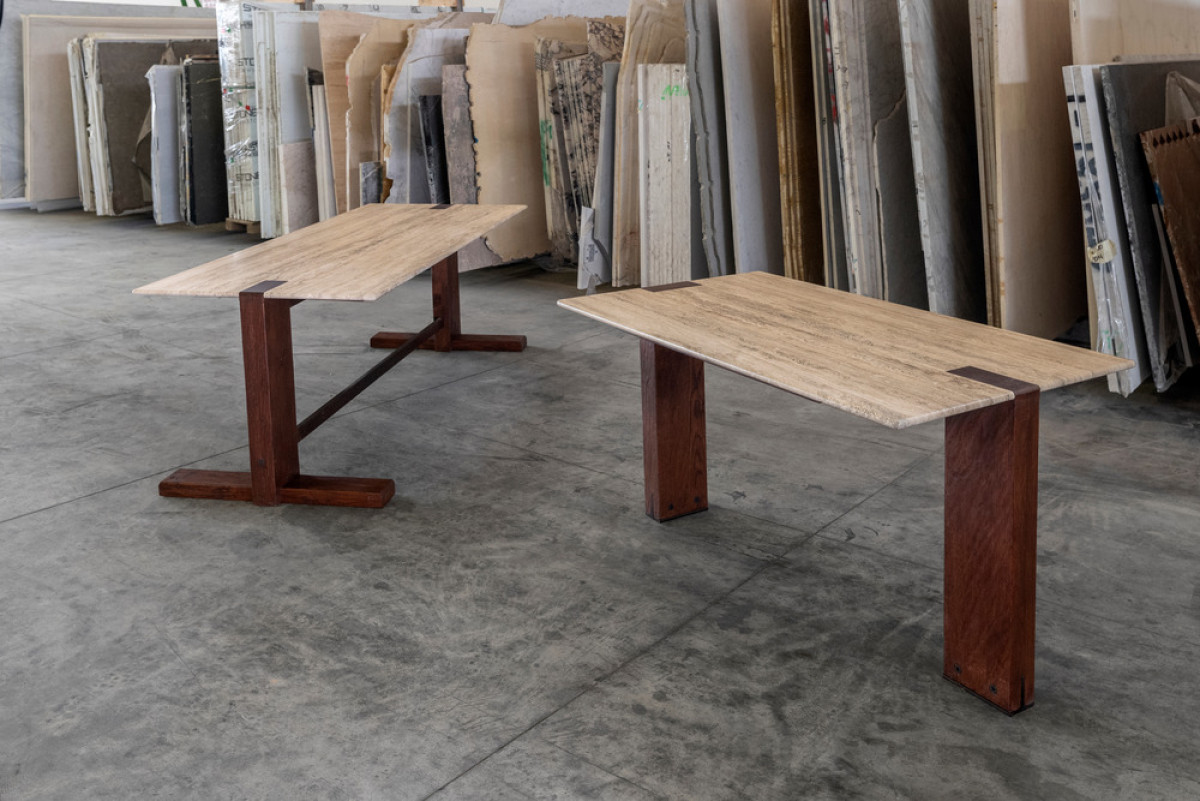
(274, 476)
(446, 307)
(675, 448)
(991, 545)
(270, 394)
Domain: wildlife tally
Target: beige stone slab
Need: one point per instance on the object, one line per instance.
(665, 199)
(360, 255)
(1107, 30)
(655, 33)
(341, 32)
(882, 361)
(383, 44)
(1030, 191)
(504, 113)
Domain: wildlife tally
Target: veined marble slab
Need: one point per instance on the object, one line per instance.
(936, 37)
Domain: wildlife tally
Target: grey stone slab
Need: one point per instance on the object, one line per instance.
(1118, 327)
(868, 67)
(707, 92)
(202, 141)
(752, 149)
(829, 147)
(905, 280)
(936, 42)
(822, 680)
(460, 158)
(1135, 101)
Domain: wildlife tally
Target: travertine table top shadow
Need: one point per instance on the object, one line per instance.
(878, 360)
(361, 255)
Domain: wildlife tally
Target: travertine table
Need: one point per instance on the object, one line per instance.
(899, 367)
(358, 256)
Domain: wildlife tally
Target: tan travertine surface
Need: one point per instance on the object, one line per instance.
(360, 255)
(877, 360)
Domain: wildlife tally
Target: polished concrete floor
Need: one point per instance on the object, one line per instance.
(512, 626)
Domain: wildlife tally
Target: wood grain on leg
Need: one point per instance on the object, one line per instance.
(270, 393)
(991, 545)
(673, 433)
(446, 303)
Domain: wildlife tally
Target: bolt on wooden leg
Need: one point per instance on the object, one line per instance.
(675, 448)
(991, 546)
(447, 308)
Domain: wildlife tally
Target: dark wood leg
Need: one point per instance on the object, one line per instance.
(274, 476)
(446, 307)
(673, 433)
(991, 546)
(270, 395)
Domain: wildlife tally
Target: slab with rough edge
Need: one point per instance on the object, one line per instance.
(361, 255)
(885, 362)
(504, 114)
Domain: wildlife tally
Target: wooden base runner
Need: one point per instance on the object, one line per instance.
(275, 436)
(363, 493)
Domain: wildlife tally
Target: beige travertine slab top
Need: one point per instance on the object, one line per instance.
(878, 360)
(360, 255)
